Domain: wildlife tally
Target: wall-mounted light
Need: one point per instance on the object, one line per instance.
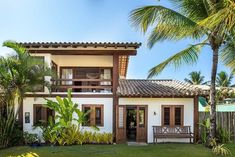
(27, 117)
(154, 113)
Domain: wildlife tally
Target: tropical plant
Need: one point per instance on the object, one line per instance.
(195, 78)
(222, 135)
(205, 129)
(213, 142)
(221, 150)
(19, 73)
(65, 109)
(65, 128)
(191, 19)
(97, 138)
(223, 79)
(10, 134)
(30, 139)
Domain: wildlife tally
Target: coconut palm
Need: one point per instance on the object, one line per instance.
(19, 73)
(195, 78)
(223, 79)
(185, 21)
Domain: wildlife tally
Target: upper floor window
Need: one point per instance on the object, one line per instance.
(95, 116)
(172, 115)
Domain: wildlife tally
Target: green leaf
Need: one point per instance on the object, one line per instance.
(187, 56)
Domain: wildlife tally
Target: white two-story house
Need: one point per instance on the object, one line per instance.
(128, 108)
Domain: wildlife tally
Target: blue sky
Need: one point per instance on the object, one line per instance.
(92, 20)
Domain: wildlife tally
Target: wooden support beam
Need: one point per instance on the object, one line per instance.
(115, 85)
(196, 119)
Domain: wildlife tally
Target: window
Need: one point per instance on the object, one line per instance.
(87, 118)
(121, 117)
(141, 117)
(166, 115)
(67, 73)
(96, 115)
(41, 114)
(172, 115)
(178, 115)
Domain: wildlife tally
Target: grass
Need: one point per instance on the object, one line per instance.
(158, 150)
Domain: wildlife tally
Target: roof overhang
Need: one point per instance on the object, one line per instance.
(124, 50)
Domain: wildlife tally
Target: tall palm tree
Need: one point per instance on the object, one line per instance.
(195, 78)
(223, 79)
(21, 73)
(187, 20)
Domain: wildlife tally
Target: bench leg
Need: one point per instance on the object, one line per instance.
(190, 140)
(154, 140)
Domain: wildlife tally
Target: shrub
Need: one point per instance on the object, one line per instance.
(30, 139)
(223, 135)
(96, 138)
(221, 150)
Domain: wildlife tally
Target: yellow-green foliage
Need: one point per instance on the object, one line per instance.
(221, 150)
(97, 138)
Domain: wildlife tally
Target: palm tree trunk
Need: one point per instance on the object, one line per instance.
(20, 111)
(213, 92)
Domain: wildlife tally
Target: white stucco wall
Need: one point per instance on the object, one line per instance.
(154, 105)
(108, 112)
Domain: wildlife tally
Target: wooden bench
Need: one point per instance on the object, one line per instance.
(172, 132)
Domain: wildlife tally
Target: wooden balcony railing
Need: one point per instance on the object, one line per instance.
(82, 85)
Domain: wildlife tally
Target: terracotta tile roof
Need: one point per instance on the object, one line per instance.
(79, 44)
(157, 88)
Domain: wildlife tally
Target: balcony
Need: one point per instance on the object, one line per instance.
(82, 85)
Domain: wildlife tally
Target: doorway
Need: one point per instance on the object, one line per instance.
(131, 121)
(136, 123)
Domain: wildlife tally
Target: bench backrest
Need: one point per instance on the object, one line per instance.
(171, 130)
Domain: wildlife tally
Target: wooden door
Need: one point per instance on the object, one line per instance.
(141, 125)
(121, 124)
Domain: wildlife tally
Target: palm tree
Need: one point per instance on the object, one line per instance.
(21, 73)
(195, 78)
(223, 79)
(187, 20)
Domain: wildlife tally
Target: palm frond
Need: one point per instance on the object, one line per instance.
(187, 56)
(188, 81)
(169, 24)
(20, 50)
(224, 16)
(228, 54)
(224, 79)
(196, 10)
(195, 78)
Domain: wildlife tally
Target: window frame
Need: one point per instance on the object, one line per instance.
(172, 115)
(93, 114)
(44, 115)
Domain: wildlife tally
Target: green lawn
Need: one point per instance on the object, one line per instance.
(159, 150)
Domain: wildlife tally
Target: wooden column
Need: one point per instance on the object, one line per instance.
(115, 85)
(196, 119)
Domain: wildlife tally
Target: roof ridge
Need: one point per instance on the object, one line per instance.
(81, 42)
(147, 79)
